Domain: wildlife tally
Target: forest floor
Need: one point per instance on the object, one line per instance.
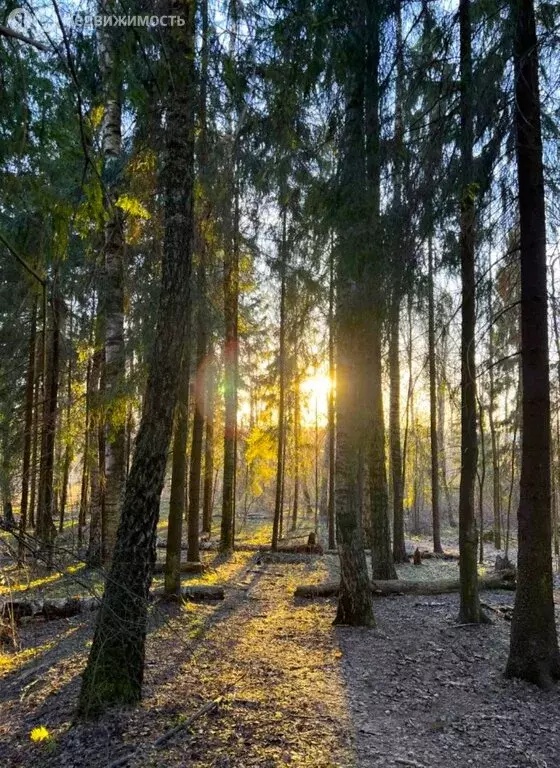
(418, 691)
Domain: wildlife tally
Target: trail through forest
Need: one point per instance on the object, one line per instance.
(417, 691)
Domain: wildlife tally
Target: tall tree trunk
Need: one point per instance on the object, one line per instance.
(95, 460)
(295, 505)
(481, 471)
(68, 446)
(534, 654)
(66, 464)
(114, 671)
(316, 447)
(27, 434)
(555, 461)
(331, 405)
(354, 600)
(496, 488)
(512, 466)
(433, 402)
(555, 517)
(276, 524)
(381, 554)
(46, 530)
(36, 431)
(85, 462)
(231, 353)
(442, 432)
(177, 495)
(205, 369)
(469, 611)
(207, 503)
(193, 527)
(112, 293)
(399, 547)
(409, 395)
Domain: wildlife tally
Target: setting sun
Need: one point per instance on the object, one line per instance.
(315, 390)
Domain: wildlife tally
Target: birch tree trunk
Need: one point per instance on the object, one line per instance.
(112, 290)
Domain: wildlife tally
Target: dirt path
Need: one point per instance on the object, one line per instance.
(277, 664)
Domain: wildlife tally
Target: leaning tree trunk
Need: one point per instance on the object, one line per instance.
(27, 434)
(433, 402)
(115, 667)
(112, 290)
(469, 611)
(533, 654)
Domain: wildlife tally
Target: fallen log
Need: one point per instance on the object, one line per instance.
(188, 567)
(503, 580)
(195, 594)
(426, 554)
(63, 608)
(202, 593)
(55, 608)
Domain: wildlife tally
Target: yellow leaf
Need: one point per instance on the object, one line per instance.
(96, 116)
(132, 206)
